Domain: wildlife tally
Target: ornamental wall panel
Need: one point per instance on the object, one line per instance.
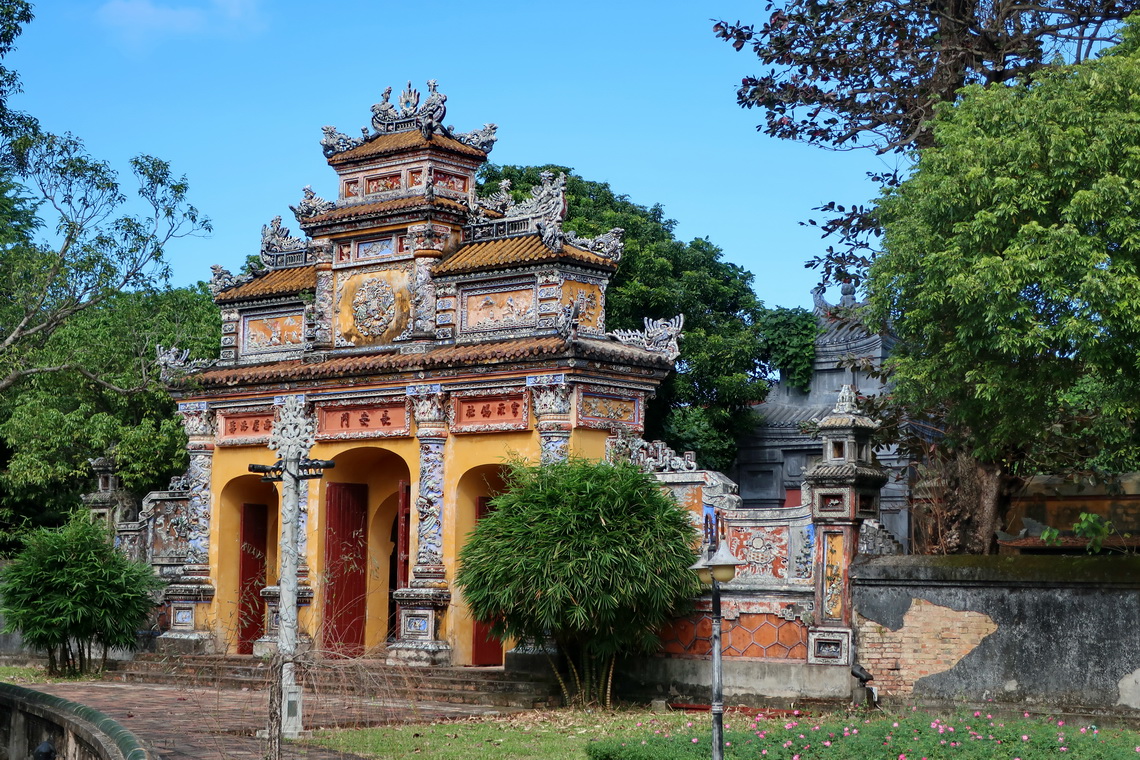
(501, 306)
(590, 298)
(604, 411)
(372, 305)
(271, 333)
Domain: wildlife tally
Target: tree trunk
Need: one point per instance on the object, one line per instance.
(990, 478)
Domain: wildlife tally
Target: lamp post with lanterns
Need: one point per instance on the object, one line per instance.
(716, 566)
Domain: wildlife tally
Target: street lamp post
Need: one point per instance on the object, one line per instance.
(292, 438)
(717, 566)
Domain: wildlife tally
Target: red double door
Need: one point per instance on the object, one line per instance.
(348, 565)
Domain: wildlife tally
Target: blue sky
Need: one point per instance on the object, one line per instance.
(233, 93)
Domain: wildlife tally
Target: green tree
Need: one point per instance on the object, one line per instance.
(70, 592)
(53, 423)
(849, 74)
(1010, 276)
(723, 368)
(77, 239)
(593, 554)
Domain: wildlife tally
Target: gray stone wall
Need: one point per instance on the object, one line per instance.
(1059, 632)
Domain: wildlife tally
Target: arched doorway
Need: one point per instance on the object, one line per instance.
(362, 501)
(476, 489)
(249, 516)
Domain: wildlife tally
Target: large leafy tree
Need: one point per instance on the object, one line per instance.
(608, 568)
(81, 272)
(77, 237)
(847, 74)
(53, 423)
(71, 593)
(1011, 276)
(724, 364)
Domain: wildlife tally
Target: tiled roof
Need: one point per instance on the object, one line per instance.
(519, 349)
(276, 282)
(398, 204)
(525, 249)
(396, 142)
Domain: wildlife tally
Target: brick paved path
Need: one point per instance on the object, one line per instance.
(212, 724)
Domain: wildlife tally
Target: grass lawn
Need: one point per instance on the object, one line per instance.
(541, 735)
(24, 675)
(640, 735)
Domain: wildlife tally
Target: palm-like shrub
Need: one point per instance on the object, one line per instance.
(69, 590)
(591, 554)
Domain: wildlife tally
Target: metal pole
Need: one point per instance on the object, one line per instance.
(717, 708)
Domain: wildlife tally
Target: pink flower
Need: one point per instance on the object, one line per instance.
(1060, 723)
(827, 744)
(977, 714)
(1025, 737)
(895, 724)
(695, 738)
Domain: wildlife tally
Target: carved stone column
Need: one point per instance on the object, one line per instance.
(550, 397)
(189, 524)
(422, 603)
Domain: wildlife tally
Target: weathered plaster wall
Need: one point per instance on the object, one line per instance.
(1033, 629)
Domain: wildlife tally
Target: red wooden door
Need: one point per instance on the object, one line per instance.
(346, 563)
(251, 575)
(398, 562)
(485, 648)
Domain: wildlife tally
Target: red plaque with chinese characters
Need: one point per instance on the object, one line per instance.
(244, 427)
(472, 415)
(362, 421)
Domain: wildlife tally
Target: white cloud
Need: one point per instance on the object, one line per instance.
(144, 23)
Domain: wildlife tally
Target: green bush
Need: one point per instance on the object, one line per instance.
(69, 590)
(592, 554)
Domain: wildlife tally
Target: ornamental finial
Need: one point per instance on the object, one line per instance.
(846, 402)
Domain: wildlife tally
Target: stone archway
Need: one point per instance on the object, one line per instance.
(247, 546)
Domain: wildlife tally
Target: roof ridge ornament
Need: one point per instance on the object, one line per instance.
(223, 279)
(310, 205)
(660, 336)
(543, 213)
(405, 115)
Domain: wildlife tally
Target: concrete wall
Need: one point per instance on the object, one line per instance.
(1038, 630)
(747, 681)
